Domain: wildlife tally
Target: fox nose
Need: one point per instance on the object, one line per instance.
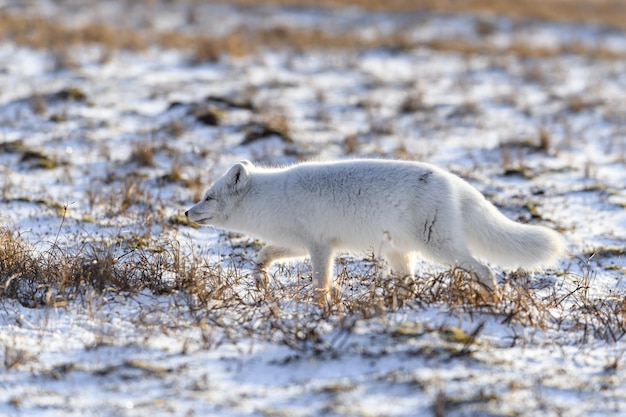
(187, 213)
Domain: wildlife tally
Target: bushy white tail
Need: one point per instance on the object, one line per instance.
(495, 238)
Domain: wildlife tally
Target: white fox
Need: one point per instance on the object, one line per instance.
(398, 208)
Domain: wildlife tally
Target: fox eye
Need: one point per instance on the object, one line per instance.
(208, 198)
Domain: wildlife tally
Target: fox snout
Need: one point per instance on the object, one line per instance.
(187, 213)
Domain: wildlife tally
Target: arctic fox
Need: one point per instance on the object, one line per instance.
(397, 208)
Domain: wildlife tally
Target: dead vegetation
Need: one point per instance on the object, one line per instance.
(58, 37)
(604, 12)
(30, 157)
(52, 277)
(220, 294)
(268, 126)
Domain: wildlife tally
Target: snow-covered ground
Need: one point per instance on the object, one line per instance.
(110, 153)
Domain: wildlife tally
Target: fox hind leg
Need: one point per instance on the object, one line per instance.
(479, 272)
(451, 249)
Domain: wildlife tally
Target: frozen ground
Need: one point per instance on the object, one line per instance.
(110, 152)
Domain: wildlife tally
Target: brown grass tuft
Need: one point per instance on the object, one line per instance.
(143, 153)
(275, 124)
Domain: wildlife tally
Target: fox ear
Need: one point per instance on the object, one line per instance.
(239, 176)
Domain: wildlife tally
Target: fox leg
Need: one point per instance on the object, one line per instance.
(452, 250)
(322, 263)
(464, 260)
(267, 256)
(401, 263)
(479, 272)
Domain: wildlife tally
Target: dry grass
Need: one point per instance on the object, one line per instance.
(220, 294)
(606, 12)
(59, 38)
(38, 32)
(54, 277)
(143, 153)
(271, 124)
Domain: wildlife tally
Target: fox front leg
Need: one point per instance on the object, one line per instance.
(322, 263)
(266, 257)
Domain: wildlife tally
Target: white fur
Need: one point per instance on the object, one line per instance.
(396, 208)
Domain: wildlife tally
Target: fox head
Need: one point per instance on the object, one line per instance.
(223, 197)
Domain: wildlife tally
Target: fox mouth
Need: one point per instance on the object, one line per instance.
(203, 220)
(198, 219)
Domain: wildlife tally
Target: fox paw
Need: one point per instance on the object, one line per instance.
(488, 294)
(261, 278)
(326, 297)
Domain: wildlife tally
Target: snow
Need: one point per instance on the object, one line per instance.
(138, 354)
